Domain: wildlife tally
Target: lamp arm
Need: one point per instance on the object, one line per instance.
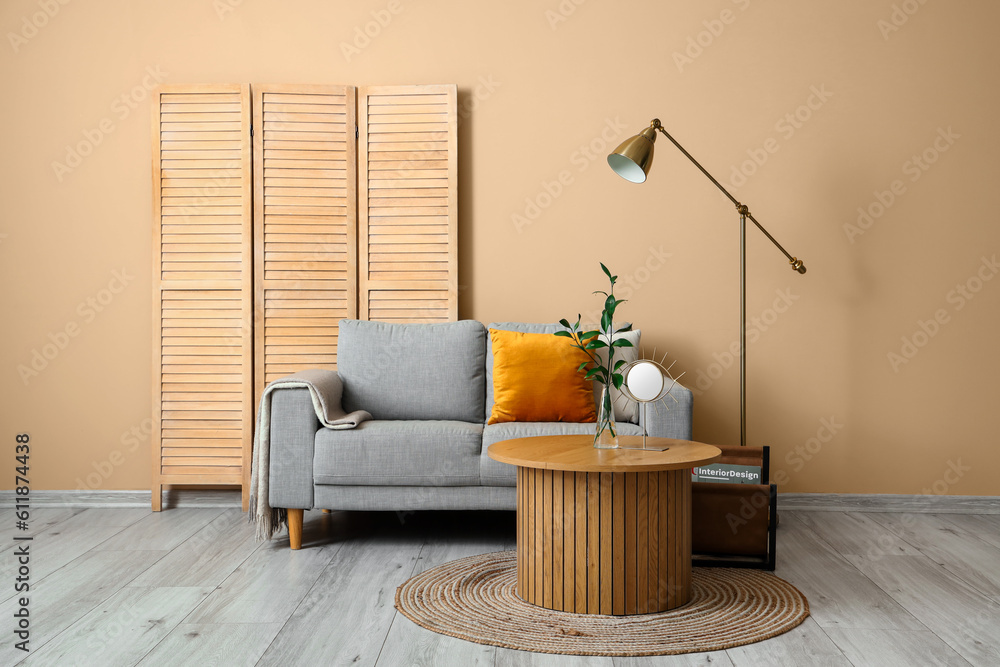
(742, 208)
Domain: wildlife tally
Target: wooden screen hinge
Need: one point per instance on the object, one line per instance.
(357, 133)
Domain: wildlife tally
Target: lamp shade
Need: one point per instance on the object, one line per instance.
(633, 158)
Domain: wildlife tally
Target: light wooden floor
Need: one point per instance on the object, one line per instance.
(190, 586)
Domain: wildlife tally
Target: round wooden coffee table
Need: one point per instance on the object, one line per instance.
(603, 531)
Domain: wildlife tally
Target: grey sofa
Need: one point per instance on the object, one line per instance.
(429, 389)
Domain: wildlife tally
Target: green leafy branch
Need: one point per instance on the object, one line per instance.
(590, 341)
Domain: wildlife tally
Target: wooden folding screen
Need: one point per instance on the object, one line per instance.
(305, 225)
(259, 251)
(202, 287)
(407, 175)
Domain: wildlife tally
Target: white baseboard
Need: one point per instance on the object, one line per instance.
(876, 502)
(123, 499)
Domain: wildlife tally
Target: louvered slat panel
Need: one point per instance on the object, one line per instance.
(203, 393)
(305, 227)
(408, 203)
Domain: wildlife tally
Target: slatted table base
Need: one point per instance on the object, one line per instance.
(603, 542)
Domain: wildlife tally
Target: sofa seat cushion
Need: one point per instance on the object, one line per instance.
(494, 473)
(399, 453)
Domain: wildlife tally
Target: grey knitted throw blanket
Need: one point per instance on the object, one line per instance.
(326, 390)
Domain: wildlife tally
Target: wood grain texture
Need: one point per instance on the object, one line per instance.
(212, 644)
(576, 453)
(122, 629)
(806, 644)
(305, 225)
(894, 647)
(972, 559)
(821, 573)
(206, 558)
(68, 594)
(583, 553)
(955, 611)
(202, 288)
(358, 584)
(408, 203)
(274, 584)
(409, 644)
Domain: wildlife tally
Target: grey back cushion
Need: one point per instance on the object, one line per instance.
(624, 410)
(413, 371)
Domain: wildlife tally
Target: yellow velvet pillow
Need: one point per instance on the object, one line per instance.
(535, 379)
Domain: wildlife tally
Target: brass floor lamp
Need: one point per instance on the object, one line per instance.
(632, 161)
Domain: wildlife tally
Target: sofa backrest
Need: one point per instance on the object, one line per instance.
(413, 371)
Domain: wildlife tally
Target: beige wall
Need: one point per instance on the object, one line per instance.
(544, 98)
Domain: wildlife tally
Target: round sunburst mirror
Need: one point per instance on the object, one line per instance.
(647, 381)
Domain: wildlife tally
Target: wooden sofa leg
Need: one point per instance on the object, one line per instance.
(327, 511)
(295, 528)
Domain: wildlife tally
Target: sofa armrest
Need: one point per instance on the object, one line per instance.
(669, 419)
(293, 440)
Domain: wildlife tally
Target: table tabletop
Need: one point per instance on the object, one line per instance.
(577, 453)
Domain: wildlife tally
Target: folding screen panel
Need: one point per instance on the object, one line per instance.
(202, 287)
(344, 206)
(408, 205)
(305, 225)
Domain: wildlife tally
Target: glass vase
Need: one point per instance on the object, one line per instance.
(606, 436)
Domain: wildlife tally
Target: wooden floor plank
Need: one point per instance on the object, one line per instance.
(839, 595)
(712, 659)
(40, 519)
(984, 526)
(230, 644)
(71, 592)
(408, 644)
(508, 658)
(161, 530)
(358, 584)
(122, 629)
(895, 648)
(881, 591)
(854, 534)
(267, 587)
(806, 644)
(58, 546)
(207, 557)
(960, 551)
(959, 614)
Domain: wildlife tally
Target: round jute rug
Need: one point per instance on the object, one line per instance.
(474, 599)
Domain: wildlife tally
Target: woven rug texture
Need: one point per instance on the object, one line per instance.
(475, 599)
